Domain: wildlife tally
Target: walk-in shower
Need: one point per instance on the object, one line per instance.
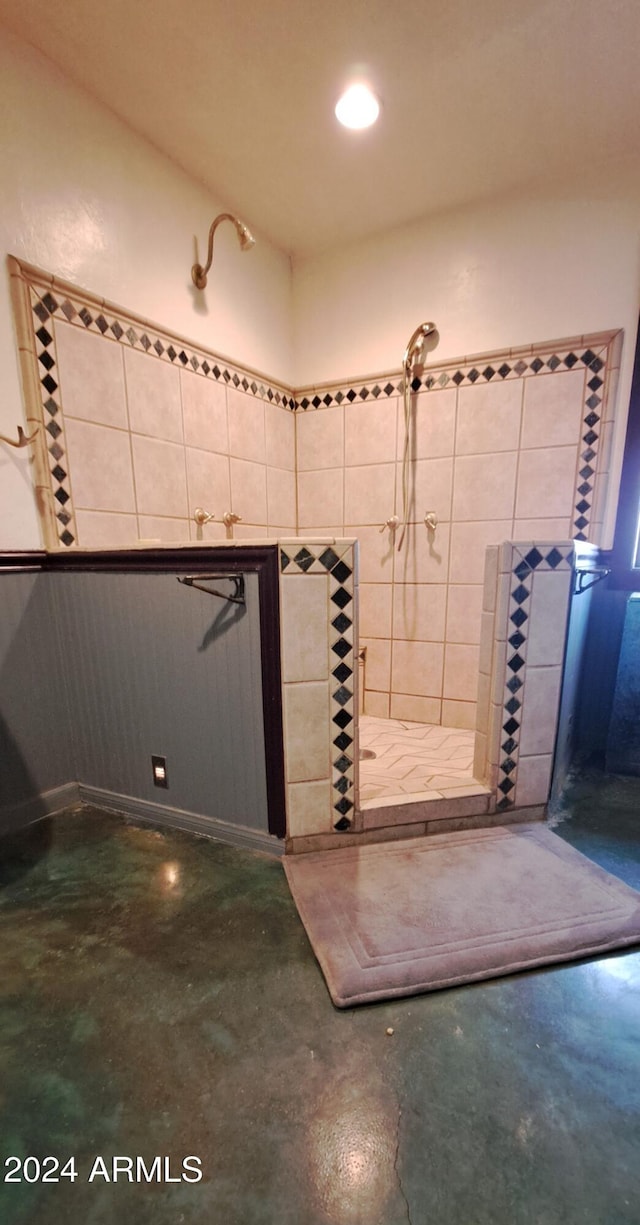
(413, 355)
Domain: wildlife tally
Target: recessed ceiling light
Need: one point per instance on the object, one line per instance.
(358, 107)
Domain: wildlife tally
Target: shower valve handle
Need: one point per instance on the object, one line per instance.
(391, 523)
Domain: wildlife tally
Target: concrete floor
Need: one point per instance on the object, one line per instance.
(158, 997)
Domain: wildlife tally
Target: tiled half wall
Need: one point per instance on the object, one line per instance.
(139, 427)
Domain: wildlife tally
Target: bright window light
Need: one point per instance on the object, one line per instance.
(358, 107)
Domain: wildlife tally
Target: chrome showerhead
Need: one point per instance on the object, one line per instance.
(415, 346)
(247, 241)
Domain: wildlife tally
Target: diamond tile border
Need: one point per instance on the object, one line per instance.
(337, 562)
(594, 359)
(526, 563)
(52, 299)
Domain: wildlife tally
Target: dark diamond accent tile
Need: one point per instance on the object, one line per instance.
(554, 557)
(582, 505)
(235, 379)
(520, 367)
(171, 353)
(53, 429)
(585, 488)
(516, 663)
(341, 597)
(343, 741)
(514, 684)
(344, 805)
(119, 333)
(517, 640)
(217, 372)
(342, 673)
(586, 471)
(68, 309)
(50, 303)
(553, 362)
(364, 392)
(590, 437)
(86, 317)
(56, 451)
(594, 402)
(507, 766)
(537, 365)
(592, 419)
(519, 617)
(520, 594)
(102, 324)
(473, 375)
(376, 391)
(327, 400)
(63, 517)
(304, 559)
(587, 357)
(595, 383)
(389, 389)
(488, 372)
(416, 384)
(342, 719)
(581, 523)
(457, 378)
(588, 455)
(509, 745)
(506, 786)
(58, 472)
(352, 395)
(316, 401)
(328, 559)
(342, 695)
(504, 804)
(580, 536)
(513, 705)
(511, 726)
(341, 647)
(341, 572)
(522, 570)
(339, 397)
(46, 359)
(285, 560)
(342, 825)
(504, 370)
(41, 311)
(245, 384)
(533, 558)
(206, 368)
(67, 538)
(51, 406)
(61, 496)
(341, 623)
(342, 763)
(44, 336)
(570, 360)
(342, 785)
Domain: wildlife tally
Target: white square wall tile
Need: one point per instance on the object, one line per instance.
(370, 431)
(430, 486)
(304, 627)
(540, 710)
(414, 709)
(460, 672)
(468, 544)
(375, 610)
(548, 617)
(533, 782)
(417, 668)
(100, 462)
(484, 486)
(280, 436)
(204, 412)
(460, 714)
(306, 731)
(432, 425)
(153, 396)
(424, 557)
(320, 498)
(91, 376)
(547, 478)
(419, 611)
(249, 491)
(309, 808)
(281, 495)
(464, 611)
(377, 668)
(375, 554)
(160, 477)
(489, 417)
(245, 415)
(101, 530)
(369, 495)
(208, 482)
(553, 409)
(320, 438)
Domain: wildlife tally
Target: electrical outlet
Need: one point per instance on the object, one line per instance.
(159, 767)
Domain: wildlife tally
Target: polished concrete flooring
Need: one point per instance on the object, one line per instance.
(158, 997)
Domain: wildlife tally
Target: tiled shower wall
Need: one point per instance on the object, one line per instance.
(513, 446)
(140, 428)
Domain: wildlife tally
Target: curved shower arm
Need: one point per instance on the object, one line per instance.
(198, 273)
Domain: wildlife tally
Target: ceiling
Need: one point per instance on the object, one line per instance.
(479, 98)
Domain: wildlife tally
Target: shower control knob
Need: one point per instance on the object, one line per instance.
(229, 517)
(201, 516)
(391, 523)
(431, 520)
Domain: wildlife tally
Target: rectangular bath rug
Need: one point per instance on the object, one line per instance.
(400, 918)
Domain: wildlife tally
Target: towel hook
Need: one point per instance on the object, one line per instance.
(23, 439)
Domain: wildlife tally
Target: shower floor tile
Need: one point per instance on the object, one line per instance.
(416, 760)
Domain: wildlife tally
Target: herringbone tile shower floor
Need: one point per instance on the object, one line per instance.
(417, 760)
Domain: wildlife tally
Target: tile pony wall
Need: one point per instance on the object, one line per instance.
(140, 427)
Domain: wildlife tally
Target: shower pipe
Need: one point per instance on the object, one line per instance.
(245, 238)
(413, 351)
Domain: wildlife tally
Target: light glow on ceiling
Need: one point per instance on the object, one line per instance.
(358, 107)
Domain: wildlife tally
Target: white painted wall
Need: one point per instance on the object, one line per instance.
(501, 274)
(84, 197)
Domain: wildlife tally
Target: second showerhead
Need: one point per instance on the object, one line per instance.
(415, 347)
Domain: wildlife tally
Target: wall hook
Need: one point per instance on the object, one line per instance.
(23, 439)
